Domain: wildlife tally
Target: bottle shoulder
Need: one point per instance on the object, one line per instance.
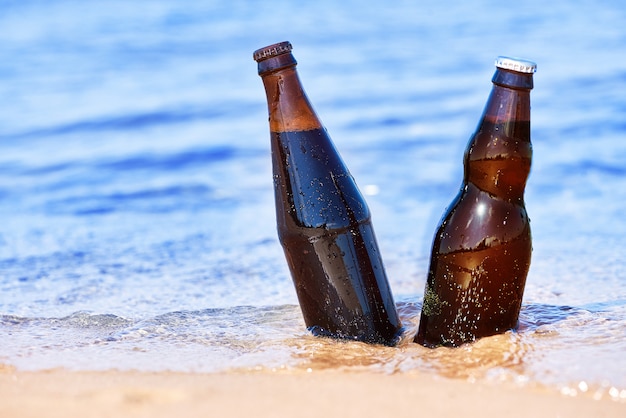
(498, 159)
(478, 219)
(501, 141)
(312, 184)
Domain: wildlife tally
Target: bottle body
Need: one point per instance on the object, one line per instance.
(324, 224)
(482, 248)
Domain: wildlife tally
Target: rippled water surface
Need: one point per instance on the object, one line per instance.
(135, 181)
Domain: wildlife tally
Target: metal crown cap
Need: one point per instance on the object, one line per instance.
(516, 64)
(272, 51)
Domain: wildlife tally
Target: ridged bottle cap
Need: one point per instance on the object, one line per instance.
(272, 51)
(516, 64)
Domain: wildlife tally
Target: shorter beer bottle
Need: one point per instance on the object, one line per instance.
(482, 248)
(323, 221)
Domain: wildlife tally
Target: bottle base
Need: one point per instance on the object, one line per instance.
(370, 338)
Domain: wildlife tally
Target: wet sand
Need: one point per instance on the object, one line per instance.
(67, 394)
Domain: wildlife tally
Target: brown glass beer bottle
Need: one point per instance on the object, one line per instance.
(481, 250)
(323, 221)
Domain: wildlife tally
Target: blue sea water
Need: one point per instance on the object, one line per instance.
(136, 194)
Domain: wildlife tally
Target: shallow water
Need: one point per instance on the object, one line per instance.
(136, 193)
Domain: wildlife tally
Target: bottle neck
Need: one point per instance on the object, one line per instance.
(288, 106)
(509, 110)
(513, 79)
(499, 154)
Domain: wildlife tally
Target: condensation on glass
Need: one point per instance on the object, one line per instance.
(324, 223)
(482, 248)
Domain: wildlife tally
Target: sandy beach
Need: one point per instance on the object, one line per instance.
(62, 393)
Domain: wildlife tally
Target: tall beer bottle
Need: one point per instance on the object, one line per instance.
(482, 248)
(323, 221)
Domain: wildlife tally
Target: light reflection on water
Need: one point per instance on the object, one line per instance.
(555, 347)
(543, 352)
(135, 183)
